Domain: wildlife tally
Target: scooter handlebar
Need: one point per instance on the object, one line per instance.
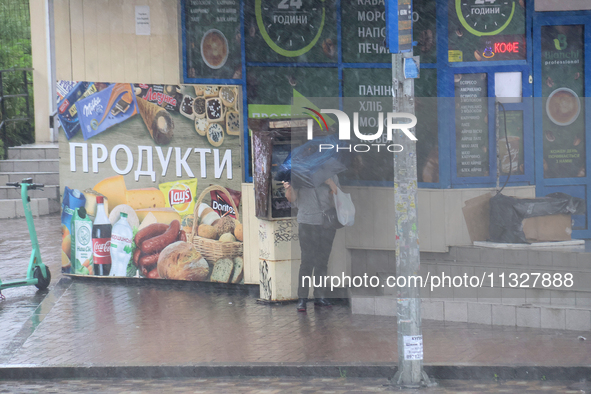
(31, 186)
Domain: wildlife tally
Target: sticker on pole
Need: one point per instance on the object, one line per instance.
(413, 347)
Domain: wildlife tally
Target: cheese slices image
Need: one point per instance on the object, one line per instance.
(215, 134)
(149, 197)
(114, 189)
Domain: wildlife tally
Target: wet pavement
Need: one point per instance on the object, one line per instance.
(130, 323)
(275, 385)
(142, 323)
(15, 251)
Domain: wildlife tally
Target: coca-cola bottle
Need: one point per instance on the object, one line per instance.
(101, 240)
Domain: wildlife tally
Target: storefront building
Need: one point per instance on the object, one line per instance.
(265, 53)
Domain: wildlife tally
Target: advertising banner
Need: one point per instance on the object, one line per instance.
(151, 178)
(563, 87)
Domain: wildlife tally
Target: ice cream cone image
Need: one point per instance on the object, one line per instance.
(157, 120)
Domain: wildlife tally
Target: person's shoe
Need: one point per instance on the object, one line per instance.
(302, 305)
(322, 302)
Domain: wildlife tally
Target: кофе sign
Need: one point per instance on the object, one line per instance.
(486, 30)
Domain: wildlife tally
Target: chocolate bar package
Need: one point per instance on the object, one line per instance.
(106, 108)
(66, 110)
(63, 88)
(168, 97)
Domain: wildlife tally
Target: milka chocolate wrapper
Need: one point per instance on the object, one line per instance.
(106, 108)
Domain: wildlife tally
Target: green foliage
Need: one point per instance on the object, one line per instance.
(15, 52)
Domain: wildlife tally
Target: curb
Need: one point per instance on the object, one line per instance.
(438, 372)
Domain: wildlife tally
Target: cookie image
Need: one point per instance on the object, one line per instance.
(201, 125)
(214, 110)
(228, 96)
(211, 91)
(199, 90)
(215, 134)
(233, 123)
(199, 107)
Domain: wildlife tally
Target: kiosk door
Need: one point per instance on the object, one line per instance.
(561, 83)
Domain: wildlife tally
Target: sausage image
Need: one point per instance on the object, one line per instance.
(156, 244)
(148, 260)
(154, 274)
(151, 231)
(136, 256)
(182, 236)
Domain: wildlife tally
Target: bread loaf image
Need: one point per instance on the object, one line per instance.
(238, 231)
(207, 231)
(227, 237)
(225, 225)
(157, 120)
(222, 271)
(238, 273)
(181, 261)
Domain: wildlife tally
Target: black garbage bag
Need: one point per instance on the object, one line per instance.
(507, 213)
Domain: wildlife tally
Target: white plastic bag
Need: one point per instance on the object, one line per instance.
(345, 208)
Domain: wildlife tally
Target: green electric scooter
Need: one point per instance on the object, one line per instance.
(37, 274)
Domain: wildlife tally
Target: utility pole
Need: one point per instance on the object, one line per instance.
(410, 337)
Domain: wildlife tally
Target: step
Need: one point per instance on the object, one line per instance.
(576, 257)
(31, 165)
(46, 178)
(34, 151)
(49, 191)
(55, 206)
(13, 208)
(540, 315)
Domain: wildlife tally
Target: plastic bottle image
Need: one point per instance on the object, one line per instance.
(73, 199)
(82, 261)
(121, 241)
(101, 240)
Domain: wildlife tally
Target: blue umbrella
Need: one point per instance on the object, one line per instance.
(307, 166)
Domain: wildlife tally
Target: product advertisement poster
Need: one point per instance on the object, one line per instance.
(151, 178)
(563, 87)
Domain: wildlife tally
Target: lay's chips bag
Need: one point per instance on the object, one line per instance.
(180, 195)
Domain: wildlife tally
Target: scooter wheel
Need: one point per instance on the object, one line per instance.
(42, 283)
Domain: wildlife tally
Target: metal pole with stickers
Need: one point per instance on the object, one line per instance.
(410, 372)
